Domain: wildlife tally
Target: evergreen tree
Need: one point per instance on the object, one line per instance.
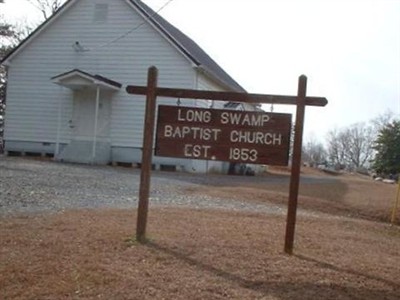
(387, 146)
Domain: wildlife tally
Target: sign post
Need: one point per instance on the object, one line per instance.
(395, 205)
(296, 163)
(146, 154)
(226, 135)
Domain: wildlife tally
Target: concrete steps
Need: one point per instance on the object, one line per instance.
(81, 152)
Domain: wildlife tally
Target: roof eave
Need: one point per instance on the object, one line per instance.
(153, 22)
(215, 78)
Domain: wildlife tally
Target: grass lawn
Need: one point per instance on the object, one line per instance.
(345, 252)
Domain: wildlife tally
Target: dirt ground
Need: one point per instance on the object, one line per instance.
(344, 248)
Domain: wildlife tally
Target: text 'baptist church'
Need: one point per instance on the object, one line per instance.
(212, 134)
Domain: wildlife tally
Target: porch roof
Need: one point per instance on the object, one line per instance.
(77, 79)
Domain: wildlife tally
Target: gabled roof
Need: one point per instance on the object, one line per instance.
(186, 45)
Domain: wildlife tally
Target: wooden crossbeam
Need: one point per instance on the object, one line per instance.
(227, 96)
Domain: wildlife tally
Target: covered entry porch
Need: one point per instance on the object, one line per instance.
(90, 120)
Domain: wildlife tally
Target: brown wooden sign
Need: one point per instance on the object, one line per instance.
(237, 136)
(223, 135)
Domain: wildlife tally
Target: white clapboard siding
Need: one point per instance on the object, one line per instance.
(33, 100)
(204, 83)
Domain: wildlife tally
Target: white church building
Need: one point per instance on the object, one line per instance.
(66, 83)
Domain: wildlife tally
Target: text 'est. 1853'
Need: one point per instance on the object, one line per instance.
(223, 135)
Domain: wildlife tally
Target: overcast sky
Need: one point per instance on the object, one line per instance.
(348, 49)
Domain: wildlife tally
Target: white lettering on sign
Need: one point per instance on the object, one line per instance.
(225, 135)
(194, 116)
(255, 137)
(240, 118)
(243, 154)
(196, 133)
(196, 151)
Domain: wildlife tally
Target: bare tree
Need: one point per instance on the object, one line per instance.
(336, 149)
(47, 7)
(314, 153)
(360, 138)
(351, 147)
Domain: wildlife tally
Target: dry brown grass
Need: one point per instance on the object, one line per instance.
(200, 254)
(344, 195)
(195, 254)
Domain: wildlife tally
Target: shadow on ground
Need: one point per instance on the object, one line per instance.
(286, 289)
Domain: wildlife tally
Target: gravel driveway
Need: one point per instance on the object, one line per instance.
(32, 185)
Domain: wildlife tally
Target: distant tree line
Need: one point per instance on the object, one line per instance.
(372, 146)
